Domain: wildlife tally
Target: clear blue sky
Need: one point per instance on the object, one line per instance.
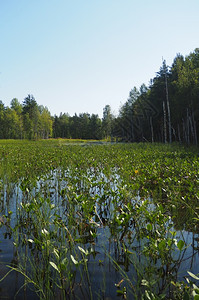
(79, 55)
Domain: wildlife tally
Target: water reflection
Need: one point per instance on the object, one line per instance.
(113, 232)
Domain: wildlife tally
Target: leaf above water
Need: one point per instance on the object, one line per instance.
(74, 260)
(193, 275)
(54, 266)
(180, 245)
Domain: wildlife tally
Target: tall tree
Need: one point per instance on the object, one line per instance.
(45, 123)
(2, 112)
(12, 124)
(95, 127)
(30, 117)
(130, 116)
(107, 121)
(16, 106)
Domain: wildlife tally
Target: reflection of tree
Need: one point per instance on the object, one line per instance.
(184, 216)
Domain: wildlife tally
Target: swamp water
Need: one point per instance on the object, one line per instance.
(85, 236)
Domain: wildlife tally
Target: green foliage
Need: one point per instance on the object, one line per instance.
(143, 118)
(83, 207)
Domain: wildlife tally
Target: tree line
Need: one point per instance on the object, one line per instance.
(32, 121)
(167, 110)
(25, 121)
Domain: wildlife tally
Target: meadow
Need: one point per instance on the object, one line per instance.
(82, 220)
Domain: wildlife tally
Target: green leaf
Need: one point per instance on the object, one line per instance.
(145, 282)
(54, 266)
(149, 227)
(30, 241)
(162, 245)
(169, 242)
(44, 231)
(74, 260)
(147, 295)
(56, 252)
(192, 275)
(197, 291)
(83, 251)
(120, 292)
(173, 233)
(64, 261)
(180, 245)
(196, 297)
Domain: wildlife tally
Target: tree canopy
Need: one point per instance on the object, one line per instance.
(167, 110)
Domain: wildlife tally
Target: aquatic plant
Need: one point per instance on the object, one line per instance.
(94, 221)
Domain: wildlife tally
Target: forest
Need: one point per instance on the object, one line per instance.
(166, 110)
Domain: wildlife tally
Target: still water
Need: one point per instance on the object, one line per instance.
(107, 249)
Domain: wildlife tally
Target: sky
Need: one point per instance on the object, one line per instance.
(78, 56)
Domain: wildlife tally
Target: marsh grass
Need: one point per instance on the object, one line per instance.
(94, 221)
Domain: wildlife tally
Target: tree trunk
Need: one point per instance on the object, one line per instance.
(194, 128)
(151, 124)
(168, 109)
(188, 139)
(165, 123)
(179, 137)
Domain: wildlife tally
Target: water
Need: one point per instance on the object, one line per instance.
(108, 261)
